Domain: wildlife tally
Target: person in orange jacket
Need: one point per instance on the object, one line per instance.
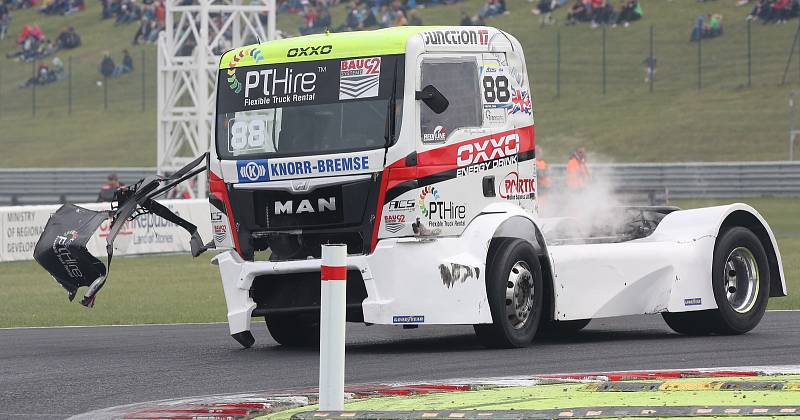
(577, 170)
(542, 172)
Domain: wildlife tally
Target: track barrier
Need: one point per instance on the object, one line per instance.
(332, 326)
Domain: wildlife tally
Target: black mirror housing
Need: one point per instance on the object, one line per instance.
(433, 99)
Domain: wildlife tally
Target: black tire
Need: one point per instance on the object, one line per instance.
(555, 328)
(503, 257)
(729, 317)
(294, 330)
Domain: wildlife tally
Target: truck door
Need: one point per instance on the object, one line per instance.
(468, 149)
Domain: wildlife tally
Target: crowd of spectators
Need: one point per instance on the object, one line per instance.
(597, 12)
(45, 74)
(61, 7)
(32, 44)
(150, 15)
(109, 69)
(774, 11)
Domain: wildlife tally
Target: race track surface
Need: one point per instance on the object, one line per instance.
(58, 372)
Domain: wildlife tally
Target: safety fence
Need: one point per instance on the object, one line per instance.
(21, 227)
(663, 180)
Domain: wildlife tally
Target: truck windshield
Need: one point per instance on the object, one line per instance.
(313, 107)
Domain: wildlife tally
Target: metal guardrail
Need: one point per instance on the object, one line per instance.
(701, 179)
(60, 185)
(653, 182)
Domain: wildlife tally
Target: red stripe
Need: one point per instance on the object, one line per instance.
(217, 187)
(333, 273)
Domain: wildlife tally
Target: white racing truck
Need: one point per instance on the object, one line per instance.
(414, 146)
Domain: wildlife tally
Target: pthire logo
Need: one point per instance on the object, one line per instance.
(305, 206)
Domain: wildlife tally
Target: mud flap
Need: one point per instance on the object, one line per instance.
(61, 248)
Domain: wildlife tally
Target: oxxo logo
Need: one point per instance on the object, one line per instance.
(307, 51)
(252, 171)
(488, 149)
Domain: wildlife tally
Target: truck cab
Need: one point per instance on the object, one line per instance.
(414, 146)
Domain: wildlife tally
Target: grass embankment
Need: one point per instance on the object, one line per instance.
(176, 288)
(724, 121)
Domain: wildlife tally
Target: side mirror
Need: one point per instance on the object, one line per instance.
(433, 99)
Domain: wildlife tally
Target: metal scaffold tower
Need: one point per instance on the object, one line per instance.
(197, 32)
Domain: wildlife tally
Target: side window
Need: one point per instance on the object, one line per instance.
(458, 82)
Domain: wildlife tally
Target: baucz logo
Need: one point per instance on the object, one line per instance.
(252, 170)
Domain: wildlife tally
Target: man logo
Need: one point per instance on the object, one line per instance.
(288, 207)
(300, 185)
(252, 171)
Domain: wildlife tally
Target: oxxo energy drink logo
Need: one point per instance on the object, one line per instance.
(233, 82)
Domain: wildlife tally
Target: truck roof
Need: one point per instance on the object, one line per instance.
(341, 45)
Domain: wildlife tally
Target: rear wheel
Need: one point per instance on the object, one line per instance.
(514, 288)
(741, 288)
(294, 330)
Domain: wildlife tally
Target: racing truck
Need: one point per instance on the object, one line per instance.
(415, 147)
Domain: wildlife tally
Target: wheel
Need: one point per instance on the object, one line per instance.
(514, 288)
(561, 328)
(294, 330)
(740, 281)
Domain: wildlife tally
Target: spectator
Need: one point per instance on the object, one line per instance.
(631, 11)
(649, 68)
(5, 21)
(577, 170)
(579, 12)
(545, 10)
(492, 8)
(542, 171)
(414, 19)
(107, 65)
(68, 39)
(108, 191)
(126, 66)
(45, 74)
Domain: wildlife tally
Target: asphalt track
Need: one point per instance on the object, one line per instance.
(58, 372)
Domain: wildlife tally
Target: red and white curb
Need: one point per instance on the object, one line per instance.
(246, 405)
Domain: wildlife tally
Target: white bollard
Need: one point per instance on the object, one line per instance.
(332, 325)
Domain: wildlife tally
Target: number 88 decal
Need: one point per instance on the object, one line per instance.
(495, 89)
(248, 134)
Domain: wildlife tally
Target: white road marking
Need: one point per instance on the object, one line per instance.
(112, 325)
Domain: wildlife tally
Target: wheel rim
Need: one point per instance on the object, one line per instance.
(519, 295)
(741, 280)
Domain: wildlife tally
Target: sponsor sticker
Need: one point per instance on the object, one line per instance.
(394, 222)
(515, 188)
(408, 319)
(439, 135)
(359, 78)
(252, 170)
(220, 233)
(692, 301)
(521, 102)
(439, 212)
(494, 116)
(456, 37)
(401, 206)
(487, 149)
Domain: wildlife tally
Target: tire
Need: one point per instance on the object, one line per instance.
(295, 330)
(512, 262)
(741, 298)
(561, 328)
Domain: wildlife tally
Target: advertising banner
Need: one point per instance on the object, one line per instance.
(20, 227)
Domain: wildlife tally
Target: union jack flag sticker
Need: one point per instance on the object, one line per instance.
(521, 101)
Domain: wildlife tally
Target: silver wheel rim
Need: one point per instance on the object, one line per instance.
(519, 295)
(741, 280)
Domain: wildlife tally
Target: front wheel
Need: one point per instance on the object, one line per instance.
(514, 288)
(741, 288)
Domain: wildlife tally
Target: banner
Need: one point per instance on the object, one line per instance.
(20, 227)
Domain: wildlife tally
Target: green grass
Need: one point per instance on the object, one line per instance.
(176, 288)
(725, 121)
(144, 290)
